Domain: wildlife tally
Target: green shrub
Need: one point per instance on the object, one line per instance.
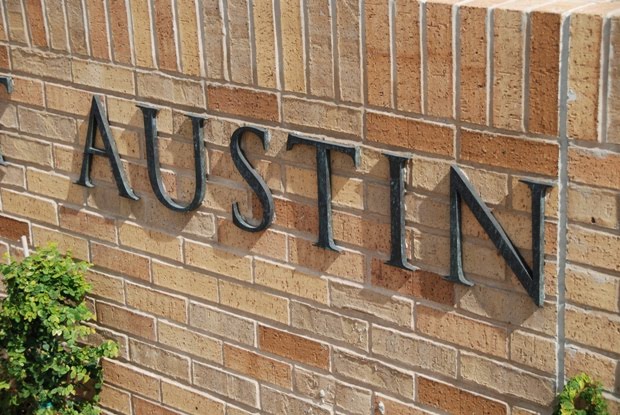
(44, 369)
(581, 396)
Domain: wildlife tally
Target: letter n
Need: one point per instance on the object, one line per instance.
(532, 278)
(97, 122)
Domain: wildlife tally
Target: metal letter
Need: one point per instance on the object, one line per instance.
(154, 169)
(323, 170)
(7, 81)
(251, 176)
(96, 121)
(398, 256)
(532, 279)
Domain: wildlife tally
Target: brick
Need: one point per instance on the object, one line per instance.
(241, 63)
(267, 243)
(265, 44)
(592, 206)
(421, 284)
(48, 125)
(613, 97)
(297, 216)
(26, 91)
(115, 399)
(218, 261)
(42, 64)
(322, 116)
(191, 342)
(36, 22)
(348, 49)
(120, 32)
(5, 62)
(141, 33)
(151, 241)
(320, 65)
(189, 400)
(185, 281)
(123, 262)
(8, 118)
(54, 186)
(544, 72)
(354, 400)
(257, 366)
(600, 367)
(188, 37)
(596, 329)
(87, 223)
(439, 64)
(473, 76)
(171, 364)
(214, 39)
(12, 228)
(163, 20)
(68, 100)
(591, 288)
(106, 286)
(594, 167)
(291, 346)
(331, 325)
(456, 401)
(533, 351)
(378, 62)
(254, 301)
(387, 308)
(522, 200)
(77, 32)
(347, 192)
(274, 402)
(15, 19)
(144, 407)
(510, 152)
(98, 30)
(508, 61)
(243, 102)
(156, 302)
(56, 22)
(41, 210)
(394, 407)
(14, 176)
(408, 56)
(131, 378)
(292, 46)
(234, 387)
(346, 264)
(506, 379)
(309, 384)
(373, 373)
(222, 324)
(73, 246)
(167, 88)
(98, 75)
(291, 281)
(414, 351)
(430, 174)
(410, 134)
(593, 248)
(126, 320)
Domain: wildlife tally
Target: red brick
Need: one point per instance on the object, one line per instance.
(243, 102)
(36, 22)
(120, 32)
(13, 229)
(293, 347)
(164, 32)
(98, 30)
(456, 401)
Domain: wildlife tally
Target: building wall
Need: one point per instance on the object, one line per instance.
(212, 319)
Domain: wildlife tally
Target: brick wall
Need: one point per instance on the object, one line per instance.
(215, 320)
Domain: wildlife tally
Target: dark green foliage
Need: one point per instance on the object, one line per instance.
(44, 370)
(581, 396)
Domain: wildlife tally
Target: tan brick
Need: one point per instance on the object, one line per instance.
(56, 25)
(268, 243)
(473, 76)
(613, 99)
(120, 261)
(510, 152)
(106, 286)
(594, 248)
(506, 379)
(13, 176)
(156, 302)
(126, 320)
(414, 351)
(73, 101)
(291, 346)
(352, 399)
(456, 401)
(355, 230)
(265, 44)
(188, 37)
(77, 32)
(346, 264)
(257, 366)
(348, 37)
(213, 39)
(320, 65)
(12, 228)
(291, 281)
(73, 246)
(55, 186)
(346, 192)
(131, 378)
(522, 198)
(234, 387)
(169, 89)
(18, 32)
(373, 373)
(594, 167)
(600, 367)
(171, 364)
(163, 20)
(592, 206)
(222, 324)
(324, 116)
(185, 281)
(411, 134)
(253, 301)
(430, 174)
(408, 56)
(331, 325)
(190, 400)
(141, 25)
(309, 384)
(596, 329)
(8, 117)
(115, 399)
(102, 334)
(48, 125)
(378, 53)
(292, 46)
(41, 63)
(123, 111)
(243, 102)
(391, 309)
(274, 402)
(26, 91)
(218, 261)
(42, 210)
(533, 351)
(439, 64)
(87, 223)
(150, 241)
(592, 288)
(240, 48)
(191, 342)
(103, 76)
